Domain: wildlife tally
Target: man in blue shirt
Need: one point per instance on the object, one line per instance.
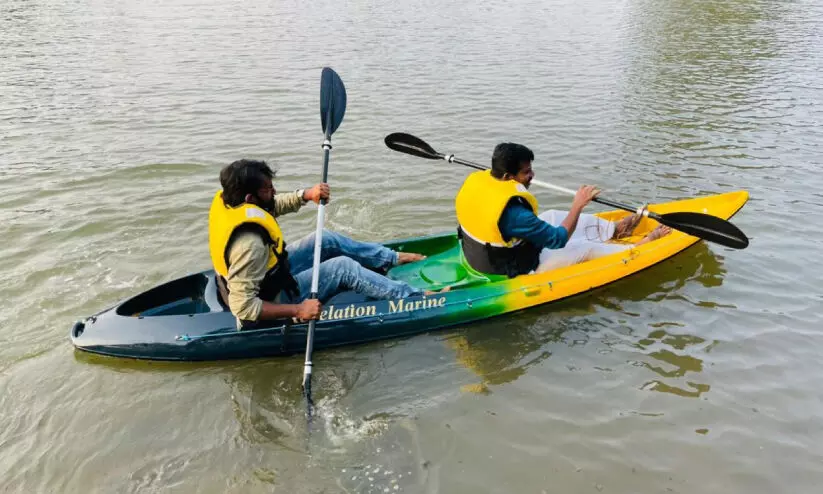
(502, 233)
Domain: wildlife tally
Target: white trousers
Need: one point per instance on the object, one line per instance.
(587, 242)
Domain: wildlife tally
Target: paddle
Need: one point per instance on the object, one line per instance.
(332, 109)
(700, 225)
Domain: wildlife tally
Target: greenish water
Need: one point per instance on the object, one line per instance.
(698, 375)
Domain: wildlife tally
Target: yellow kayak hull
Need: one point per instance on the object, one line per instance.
(545, 287)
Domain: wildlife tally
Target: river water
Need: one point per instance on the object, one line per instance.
(698, 375)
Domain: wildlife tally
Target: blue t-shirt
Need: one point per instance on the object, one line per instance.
(519, 221)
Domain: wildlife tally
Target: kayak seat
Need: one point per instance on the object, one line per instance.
(438, 271)
(443, 272)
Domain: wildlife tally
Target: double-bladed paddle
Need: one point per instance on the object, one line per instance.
(332, 109)
(700, 225)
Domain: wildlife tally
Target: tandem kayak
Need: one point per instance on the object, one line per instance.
(185, 319)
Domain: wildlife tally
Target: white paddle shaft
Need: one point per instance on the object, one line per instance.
(547, 185)
(318, 243)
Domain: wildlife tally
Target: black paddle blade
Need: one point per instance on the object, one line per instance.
(409, 144)
(707, 227)
(332, 101)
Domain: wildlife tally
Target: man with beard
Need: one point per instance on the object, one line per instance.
(502, 233)
(260, 278)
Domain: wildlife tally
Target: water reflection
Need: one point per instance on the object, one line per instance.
(501, 350)
(675, 365)
(697, 264)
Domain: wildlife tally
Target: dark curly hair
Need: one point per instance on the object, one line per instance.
(243, 177)
(508, 158)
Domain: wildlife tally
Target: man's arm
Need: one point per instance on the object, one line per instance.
(289, 202)
(584, 195)
(293, 201)
(248, 259)
(518, 221)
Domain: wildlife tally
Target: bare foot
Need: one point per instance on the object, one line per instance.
(626, 226)
(659, 232)
(442, 290)
(407, 257)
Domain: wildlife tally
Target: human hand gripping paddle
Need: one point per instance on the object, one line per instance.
(332, 109)
(700, 225)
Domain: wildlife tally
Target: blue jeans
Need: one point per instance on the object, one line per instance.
(343, 267)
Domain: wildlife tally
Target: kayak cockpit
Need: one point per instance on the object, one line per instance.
(193, 294)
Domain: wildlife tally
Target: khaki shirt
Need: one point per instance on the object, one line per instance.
(248, 258)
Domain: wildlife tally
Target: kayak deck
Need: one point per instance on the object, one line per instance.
(184, 319)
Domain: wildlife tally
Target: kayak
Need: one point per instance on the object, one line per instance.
(185, 319)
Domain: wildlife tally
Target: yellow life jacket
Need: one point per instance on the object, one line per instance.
(225, 222)
(479, 205)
